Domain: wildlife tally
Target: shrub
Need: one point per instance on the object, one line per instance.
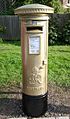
(67, 10)
(66, 33)
(56, 4)
(56, 36)
(2, 29)
(53, 32)
(1, 40)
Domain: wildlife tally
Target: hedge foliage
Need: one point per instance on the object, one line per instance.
(57, 36)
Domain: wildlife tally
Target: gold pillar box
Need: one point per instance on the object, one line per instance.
(34, 43)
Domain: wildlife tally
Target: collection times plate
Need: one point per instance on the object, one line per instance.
(34, 45)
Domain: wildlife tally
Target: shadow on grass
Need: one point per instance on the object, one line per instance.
(12, 42)
(13, 107)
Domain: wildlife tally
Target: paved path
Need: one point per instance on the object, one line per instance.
(62, 117)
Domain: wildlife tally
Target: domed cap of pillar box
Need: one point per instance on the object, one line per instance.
(33, 9)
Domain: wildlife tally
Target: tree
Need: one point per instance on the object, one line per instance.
(18, 3)
(56, 4)
(12, 4)
(45, 2)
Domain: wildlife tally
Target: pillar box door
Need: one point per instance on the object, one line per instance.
(34, 44)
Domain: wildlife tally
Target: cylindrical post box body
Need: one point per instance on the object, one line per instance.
(34, 43)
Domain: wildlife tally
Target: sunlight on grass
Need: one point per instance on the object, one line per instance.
(59, 65)
(11, 65)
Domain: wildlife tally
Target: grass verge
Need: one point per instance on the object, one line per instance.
(59, 65)
(11, 65)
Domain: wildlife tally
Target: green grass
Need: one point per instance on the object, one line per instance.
(59, 65)
(11, 65)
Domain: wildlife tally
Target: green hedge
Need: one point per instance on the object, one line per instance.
(57, 36)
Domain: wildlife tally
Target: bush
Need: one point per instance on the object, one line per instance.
(56, 4)
(1, 40)
(66, 33)
(2, 29)
(56, 36)
(54, 33)
(67, 10)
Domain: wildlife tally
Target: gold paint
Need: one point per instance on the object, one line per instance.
(35, 66)
(33, 9)
(35, 78)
